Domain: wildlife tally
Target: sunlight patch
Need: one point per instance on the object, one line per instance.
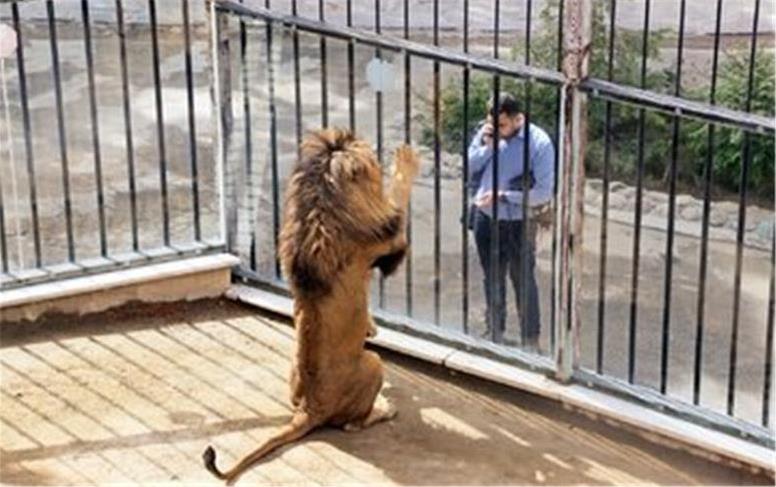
(437, 419)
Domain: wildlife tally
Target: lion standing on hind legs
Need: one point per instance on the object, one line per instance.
(338, 225)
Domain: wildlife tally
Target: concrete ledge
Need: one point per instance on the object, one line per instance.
(185, 279)
(620, 410)
(387, 338)
(649, 422)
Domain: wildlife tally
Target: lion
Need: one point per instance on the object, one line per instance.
(339, 223)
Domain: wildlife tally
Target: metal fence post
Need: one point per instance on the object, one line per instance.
(576, 52)
(221, 95)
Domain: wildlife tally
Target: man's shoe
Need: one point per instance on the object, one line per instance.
(511, 342)
(532, 345)
(488, 335)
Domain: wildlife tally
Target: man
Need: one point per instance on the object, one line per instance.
(511, 214)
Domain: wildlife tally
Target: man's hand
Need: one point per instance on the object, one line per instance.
(487, 134)
(485, 200)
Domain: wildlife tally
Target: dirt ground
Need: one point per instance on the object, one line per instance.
(134, 395)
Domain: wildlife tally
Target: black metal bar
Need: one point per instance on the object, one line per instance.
(192, 122)
(603, 252)
(494, 227)
(408, 141)
(297, 81)
(160, 122)
(465, 176)
(769, 337)
(599, 88)
(26, 124)
(379, 125)
(125, 90)
(246, 96)
(273, 146)
(351, 70)
(528, 32)
(95, 127)
(324, 78)
(496, 24)
(671, 212)
(745, 161)
(437, 178)
(672, 105)
(61, 129)
(707, 176)
(558, 108)
(637, 218)
(559, 53)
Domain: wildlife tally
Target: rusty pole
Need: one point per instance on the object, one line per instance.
(221, 96)
(577, 26)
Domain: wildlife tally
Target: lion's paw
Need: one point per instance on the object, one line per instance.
(407, 161)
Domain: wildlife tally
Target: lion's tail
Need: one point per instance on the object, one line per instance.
(300, 425)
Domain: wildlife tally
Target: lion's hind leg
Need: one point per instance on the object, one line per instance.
(382, 410)
(367, 406)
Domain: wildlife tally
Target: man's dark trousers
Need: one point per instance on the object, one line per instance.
(509, 260)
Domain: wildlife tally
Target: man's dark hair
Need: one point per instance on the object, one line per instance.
(507, 104)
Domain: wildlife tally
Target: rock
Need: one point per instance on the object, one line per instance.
(617, 186)
(657, 197)
(757, 215)
(629, 192)
(691, 212)
(592, 198)
(683, 200)
(717, 218)
(594, 186)
(426, 153)
(764, 229)
(749, 225)
(452, 160)
(647, 204)
(724, 213)
(660, 211)
(617, 202)
(732, 223)
(728, 207)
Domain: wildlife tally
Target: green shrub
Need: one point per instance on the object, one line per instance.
(727, 151)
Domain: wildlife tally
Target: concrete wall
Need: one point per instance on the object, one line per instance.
(183, 280)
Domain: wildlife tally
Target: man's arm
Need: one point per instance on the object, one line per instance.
(543, 168)
(479, 154)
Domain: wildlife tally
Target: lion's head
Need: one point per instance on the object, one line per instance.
(334, 203)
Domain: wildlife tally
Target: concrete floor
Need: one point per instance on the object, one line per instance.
(134, 395)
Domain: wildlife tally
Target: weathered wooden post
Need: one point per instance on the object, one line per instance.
(221, 96)
(577, 27)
